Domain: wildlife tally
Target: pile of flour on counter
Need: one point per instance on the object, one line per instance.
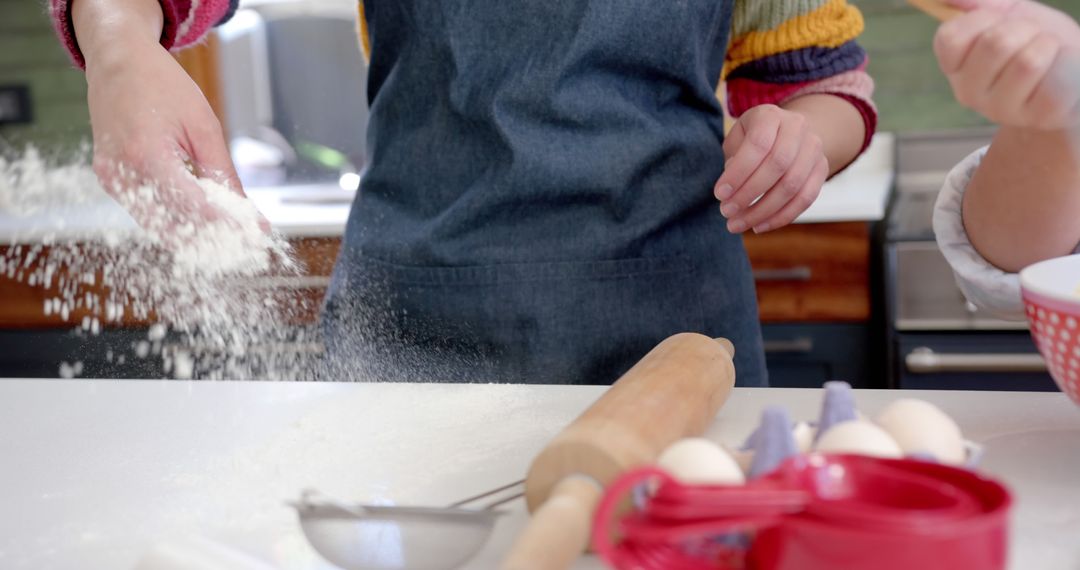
(205, 279)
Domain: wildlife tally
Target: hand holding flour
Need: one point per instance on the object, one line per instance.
(152, 126)
(1017, 62)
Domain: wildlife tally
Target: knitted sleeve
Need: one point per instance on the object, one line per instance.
(186, 22)
(783, 49)
(985, 285)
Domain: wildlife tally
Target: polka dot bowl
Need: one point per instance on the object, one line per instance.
(1051, 291)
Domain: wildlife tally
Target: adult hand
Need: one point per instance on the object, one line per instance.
(1017, 62)
(775, 167)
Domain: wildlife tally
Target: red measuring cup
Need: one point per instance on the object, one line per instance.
(814, 512)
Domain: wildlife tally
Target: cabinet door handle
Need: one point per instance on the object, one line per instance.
(261, 348)
(798, 273)
(801, 345)
(924, 360)
(298, 282)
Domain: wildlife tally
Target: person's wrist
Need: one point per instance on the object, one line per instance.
(108, 33)
(106, 59)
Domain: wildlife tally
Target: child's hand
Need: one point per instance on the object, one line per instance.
(771, 154)
(152, 126)
(1016, 62)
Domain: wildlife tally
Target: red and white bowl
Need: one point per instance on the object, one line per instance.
(1051, 291)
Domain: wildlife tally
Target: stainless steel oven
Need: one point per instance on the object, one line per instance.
(938, 340)
(294, 90)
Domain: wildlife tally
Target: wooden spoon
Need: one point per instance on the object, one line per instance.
(937, 9)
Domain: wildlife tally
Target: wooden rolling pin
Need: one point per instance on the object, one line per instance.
(937, 9)
(672, 393)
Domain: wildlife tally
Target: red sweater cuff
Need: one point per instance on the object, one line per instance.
(60, 13)
(184, 23)
(869, 116)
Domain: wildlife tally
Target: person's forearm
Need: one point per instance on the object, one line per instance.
(837, 122)
(105, 29)
(1023, 205)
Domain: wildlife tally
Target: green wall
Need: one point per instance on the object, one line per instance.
(911, 92)
(30, 55)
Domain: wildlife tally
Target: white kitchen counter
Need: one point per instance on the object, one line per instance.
(95, 472)
(860, 193)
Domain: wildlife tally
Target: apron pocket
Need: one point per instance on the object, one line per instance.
(552, 322)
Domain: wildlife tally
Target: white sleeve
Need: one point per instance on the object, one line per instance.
(986, 286)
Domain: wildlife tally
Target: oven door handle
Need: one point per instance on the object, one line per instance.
(800, 345)
(924, 360)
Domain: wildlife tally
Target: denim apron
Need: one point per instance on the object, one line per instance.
(538, 203)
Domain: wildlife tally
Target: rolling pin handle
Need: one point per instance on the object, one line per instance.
(559, 531)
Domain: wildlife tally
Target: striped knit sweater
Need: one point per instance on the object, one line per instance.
(779, 49)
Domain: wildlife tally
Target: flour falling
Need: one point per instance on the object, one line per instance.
(199, 268)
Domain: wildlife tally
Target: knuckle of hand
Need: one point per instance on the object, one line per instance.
(999, 42)
(768, 110)
(789, 187)
(760, 141)
(1029, 63)
(782, 158)
(822, 169)
(765, 114)
(946, 43)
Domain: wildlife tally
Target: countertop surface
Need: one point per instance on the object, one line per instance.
(96, 473)
(860, 193)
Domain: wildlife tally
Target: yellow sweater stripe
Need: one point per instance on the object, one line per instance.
(830, 26)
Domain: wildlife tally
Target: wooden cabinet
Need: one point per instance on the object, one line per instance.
(812, 273)
(814, 294)
(34, 344)
(816, 304)
(813, 285)
(201, 63)
(22, 305)
(317, 257)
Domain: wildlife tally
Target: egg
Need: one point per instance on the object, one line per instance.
(698, 461)
(921, 427)
(859, 437)
(804, 436)
(743, 458)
